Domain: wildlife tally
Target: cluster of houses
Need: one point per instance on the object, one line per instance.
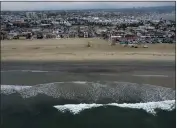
(130, 30)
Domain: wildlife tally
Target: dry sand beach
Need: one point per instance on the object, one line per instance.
(77, 50)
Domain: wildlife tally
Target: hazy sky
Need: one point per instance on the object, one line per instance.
(77, 5)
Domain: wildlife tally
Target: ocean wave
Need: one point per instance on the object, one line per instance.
(10, 89)
(94, 92)
(24, 71)
(149, 107)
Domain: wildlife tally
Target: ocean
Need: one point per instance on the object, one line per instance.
(45, 98)
(103, 117)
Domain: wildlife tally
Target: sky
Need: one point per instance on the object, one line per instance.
(27, 6)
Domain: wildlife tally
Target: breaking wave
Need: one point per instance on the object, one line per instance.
(90, 104)
(9, 89)
(94, 92)
(148, 107)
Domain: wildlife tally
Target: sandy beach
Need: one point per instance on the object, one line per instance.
(77, 50)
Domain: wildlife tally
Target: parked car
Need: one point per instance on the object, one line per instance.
(40, 36)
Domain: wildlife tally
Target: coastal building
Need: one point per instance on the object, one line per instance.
(31, 15)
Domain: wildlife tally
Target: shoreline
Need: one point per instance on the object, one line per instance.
(91, 56)
(102, 62)
(160, 73)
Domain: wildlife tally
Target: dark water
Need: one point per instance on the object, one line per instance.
(37, 111)
(101, 117)
(33, 107)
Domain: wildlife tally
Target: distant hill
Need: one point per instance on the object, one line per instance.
(160, 9)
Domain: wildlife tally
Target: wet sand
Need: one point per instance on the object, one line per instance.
(161, 73)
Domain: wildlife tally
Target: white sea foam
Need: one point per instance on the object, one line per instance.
(149, 107)
(79, 82)
(76, 108)
(34, 71)
(163, 97)
(151, 75)
(24, 71)
(9, 89)
(94, 91)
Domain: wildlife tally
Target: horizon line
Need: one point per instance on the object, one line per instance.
(91, 8)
